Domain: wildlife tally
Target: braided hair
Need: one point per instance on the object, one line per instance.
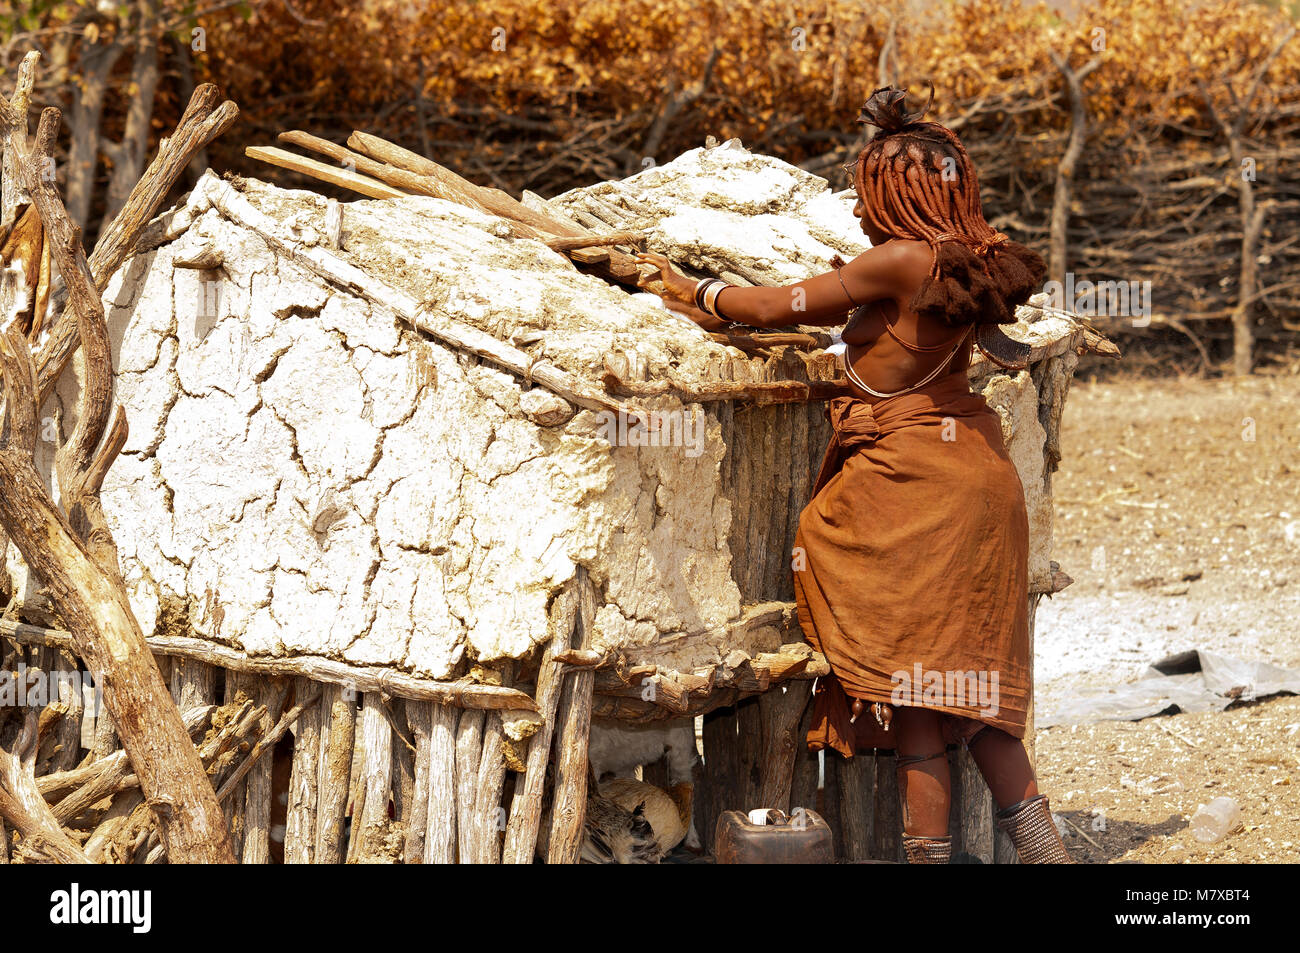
(916, 181)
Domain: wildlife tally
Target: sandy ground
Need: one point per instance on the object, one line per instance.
(1178, 516)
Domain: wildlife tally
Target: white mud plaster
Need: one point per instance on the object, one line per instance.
(306, 474)
(1016, 401)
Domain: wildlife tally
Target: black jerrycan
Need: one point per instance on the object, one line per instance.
(773, 837)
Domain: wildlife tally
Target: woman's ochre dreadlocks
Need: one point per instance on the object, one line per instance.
(917, 182)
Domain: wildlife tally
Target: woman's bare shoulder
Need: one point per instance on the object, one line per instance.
(893, 269)
(900, 255)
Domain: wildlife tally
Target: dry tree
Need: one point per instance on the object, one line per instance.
(68, 545)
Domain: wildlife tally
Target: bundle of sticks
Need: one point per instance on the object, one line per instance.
(379, 169)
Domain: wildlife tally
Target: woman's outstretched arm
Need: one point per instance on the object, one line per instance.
(881, 272)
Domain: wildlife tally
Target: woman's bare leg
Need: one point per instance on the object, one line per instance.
(924, 786)
(1023, 814)
(1004, 762)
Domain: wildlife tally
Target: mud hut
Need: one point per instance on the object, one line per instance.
(418, 492)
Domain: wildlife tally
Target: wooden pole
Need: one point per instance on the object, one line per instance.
(889, 813)
(354, 677)
(780, 711)
(257, 792)
(469, 751)
(1060, 220)
(338, 733)
(440, 808)
(488, 812)
(403, 766)
(975, 808)
(719, 792)
(68, 545)
(526, 809)
(1252, 218)
(419, 715)
(857, 789)
(233, 805)
(193, 684)
(304, 779)
(369, 824)
(334, 175)
(573, 721)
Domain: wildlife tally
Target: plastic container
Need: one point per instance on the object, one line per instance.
(771, 837)
(1214, 820)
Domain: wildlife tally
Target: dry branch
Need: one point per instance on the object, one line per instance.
(356, 677)
(74, 554)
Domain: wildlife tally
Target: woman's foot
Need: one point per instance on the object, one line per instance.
(927, 850)
(1030, 826)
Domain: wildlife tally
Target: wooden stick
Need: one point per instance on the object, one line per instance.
(889, 818)
(304, 778)
(760, 341)
(403, 766)
(126, 826)
(780, 711)
(857, 791)
(975, 806)
(526, 808)
(460, 189)
(356, 677)
(771, 392)
(234, 804)
(622, 267)
(440, 809)
(369, 824)
(363, 184)
(372, 176)
(1057, 261)
(419, 715)
(573, 721)
(71, 708)
(338, 731)
(22, 805)
(487, 795)
(74, 554)
(267, 741)
(469, 751)
(105, 777)
(589, 241)
(258, 792)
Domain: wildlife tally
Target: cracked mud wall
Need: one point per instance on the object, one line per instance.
(337, 485)
(306, 474)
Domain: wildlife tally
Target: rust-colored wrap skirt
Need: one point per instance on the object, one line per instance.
(911, 564)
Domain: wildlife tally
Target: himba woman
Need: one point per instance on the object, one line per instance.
(912, 556)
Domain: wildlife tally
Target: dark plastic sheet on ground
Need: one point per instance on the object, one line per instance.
(1188, 681)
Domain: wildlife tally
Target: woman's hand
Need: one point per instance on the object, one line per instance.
(679, 286)
(702, 318)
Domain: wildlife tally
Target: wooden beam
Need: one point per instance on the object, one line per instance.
(573, 720)
(356, 677)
